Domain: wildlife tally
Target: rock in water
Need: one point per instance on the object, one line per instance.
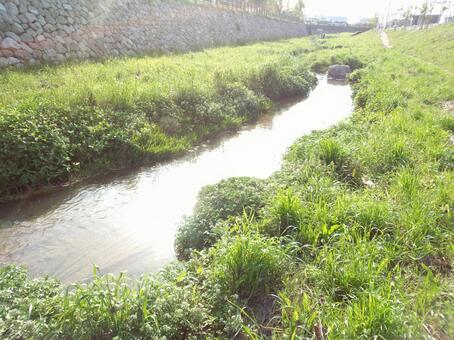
(338, 72)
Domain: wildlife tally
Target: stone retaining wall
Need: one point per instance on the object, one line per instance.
(36, 31)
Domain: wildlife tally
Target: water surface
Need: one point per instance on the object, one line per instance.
(128, 222)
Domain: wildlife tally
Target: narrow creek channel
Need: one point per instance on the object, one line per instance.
(128, 222)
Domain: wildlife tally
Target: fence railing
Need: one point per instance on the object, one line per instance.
(244, 6)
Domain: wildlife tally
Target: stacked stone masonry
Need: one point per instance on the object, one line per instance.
(51, 31)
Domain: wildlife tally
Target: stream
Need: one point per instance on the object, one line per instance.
(127, 222)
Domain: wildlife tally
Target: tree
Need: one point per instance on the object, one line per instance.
(373, 22)
(407, 15)
(299, 8)
(426, 9)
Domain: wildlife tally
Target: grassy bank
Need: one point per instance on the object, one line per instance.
(435, 46)
(64, 122)
(352, 238)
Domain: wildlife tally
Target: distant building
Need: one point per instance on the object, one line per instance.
(365, 20)
(334, 19)
(428, 19)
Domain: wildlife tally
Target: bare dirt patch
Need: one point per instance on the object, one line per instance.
(449, 106)
(385, 39)
(439, 264)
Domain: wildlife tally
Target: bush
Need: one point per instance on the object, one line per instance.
(159, 307)
(284, 213)
(331, 152)
(282, 81)
(41, 149)
(174, 304)
(216, 203)
(74, 120)
(26, 306)
(33, 151)
(237, 100)
(321, 64)
(249, 265)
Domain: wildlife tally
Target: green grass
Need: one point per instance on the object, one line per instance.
(434, 46)
(227, 199)
(61, 122)
(352, 238)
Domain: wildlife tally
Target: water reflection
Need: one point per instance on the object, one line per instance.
(128, 222)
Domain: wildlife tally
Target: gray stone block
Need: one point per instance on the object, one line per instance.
(29, 36)
(49, 28)
(23, 7)
(31, 17)
(13, 61)
(17, 28)
(10, 44)
(33, 10)
(12, 9)
(13, 36)
(3, 62)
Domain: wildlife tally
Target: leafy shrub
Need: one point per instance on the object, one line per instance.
(354, 62)
(26, 306)
(216, 203)
(34, 151)
(41, 149)
(103, 308)
(194, 106)
(282, 81)
(158, 307)
(174, 304)
(356, 76)
(238, 100)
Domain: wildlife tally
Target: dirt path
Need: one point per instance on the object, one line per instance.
(385, 39)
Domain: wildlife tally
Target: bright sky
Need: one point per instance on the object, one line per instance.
(355, 9)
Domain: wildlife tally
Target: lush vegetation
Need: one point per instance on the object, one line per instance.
(70, 121)
(352, 238)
